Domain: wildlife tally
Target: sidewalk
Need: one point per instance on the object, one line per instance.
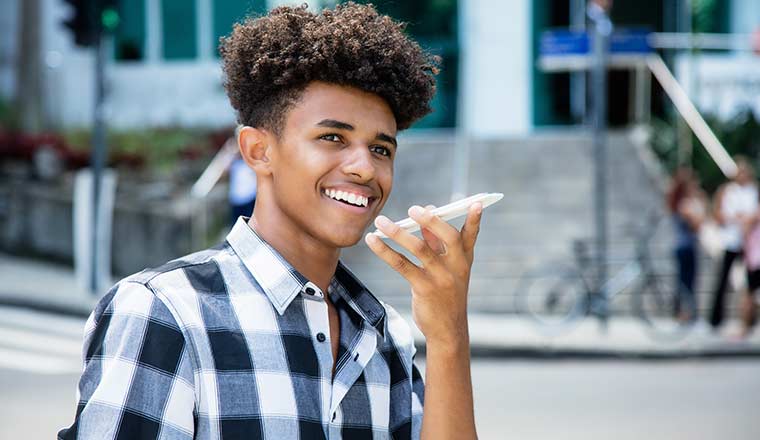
(52, 287)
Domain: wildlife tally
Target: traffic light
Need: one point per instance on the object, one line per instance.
(89, 18)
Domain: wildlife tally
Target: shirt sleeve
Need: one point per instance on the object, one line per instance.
(418, 401)
(138, 378)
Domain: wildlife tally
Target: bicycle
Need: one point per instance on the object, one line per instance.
(559, 295)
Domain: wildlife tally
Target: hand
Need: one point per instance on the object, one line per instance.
(440, 285)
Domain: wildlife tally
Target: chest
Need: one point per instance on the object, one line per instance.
(292, 379)
(270, 372)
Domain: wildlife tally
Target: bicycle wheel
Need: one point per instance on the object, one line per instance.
(660, 303)
(554, 297)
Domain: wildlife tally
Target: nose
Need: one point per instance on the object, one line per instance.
(359, 163)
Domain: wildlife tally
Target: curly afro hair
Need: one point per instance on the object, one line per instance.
(268, 62)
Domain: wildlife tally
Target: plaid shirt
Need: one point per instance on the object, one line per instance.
(234, 343)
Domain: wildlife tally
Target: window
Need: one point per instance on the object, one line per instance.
(179, 28)
(229, 12)
(129, 38)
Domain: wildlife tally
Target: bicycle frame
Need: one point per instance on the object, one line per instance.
(637, 268)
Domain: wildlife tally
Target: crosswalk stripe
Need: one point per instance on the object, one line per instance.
(34, 342)
(43, 322)
(37, 363)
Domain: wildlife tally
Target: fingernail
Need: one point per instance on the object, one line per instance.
(416, 211)
(383, 222)
(370, 238)
(478, 207)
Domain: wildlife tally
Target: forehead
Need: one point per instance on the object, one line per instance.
(319, 101)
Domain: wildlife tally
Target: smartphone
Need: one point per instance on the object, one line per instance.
(449, 212)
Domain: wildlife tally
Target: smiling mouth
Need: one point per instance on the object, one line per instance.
(348, 198)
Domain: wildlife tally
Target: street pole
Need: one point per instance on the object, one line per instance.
(602, 29)
(98, 157)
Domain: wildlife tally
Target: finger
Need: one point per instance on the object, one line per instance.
(435, 244)
(396, 261)
(444, 231)
(416, 246)
(471, 228)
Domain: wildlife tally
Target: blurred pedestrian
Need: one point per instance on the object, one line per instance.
(242, 193)
(687, 203)
(748, 305)
(736, 202)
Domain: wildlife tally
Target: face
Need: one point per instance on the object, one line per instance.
(744, 173)
(337, 143)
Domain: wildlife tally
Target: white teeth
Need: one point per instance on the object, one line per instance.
(351, 198)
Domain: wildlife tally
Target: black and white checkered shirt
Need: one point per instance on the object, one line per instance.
(233, 343)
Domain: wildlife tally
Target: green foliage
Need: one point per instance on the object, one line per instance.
(8, 116)
(739, 135)
(158, 150)
(705, 15)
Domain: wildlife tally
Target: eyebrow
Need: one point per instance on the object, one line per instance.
(332, 123)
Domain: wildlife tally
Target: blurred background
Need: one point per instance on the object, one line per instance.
(609, 296)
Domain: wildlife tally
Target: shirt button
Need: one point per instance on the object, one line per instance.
(321, 337)
(310, 291)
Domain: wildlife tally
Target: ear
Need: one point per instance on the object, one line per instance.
(255, 149)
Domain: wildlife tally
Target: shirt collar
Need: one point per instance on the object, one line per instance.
(282, 283)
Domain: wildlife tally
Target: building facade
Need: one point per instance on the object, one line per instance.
(164, 67)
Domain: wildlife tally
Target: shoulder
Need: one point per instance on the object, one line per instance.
(157, 292)
(197, 259)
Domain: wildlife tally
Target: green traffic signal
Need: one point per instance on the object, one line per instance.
(109, 18)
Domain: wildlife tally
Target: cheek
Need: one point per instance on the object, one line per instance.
(385, 180)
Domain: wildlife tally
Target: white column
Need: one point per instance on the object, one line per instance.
(205, 29)
(496, 75)
(154, 37)
(745, 16)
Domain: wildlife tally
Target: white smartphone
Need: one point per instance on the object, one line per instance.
(449, 212)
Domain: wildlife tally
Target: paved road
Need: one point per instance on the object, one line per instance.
(39, 363)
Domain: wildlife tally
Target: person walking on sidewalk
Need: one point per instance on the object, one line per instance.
(735, 203)
(242, 191)
(269, 335)
(687, 203)
(748, 303)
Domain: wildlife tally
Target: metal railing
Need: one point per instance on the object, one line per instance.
(691, 115)
(686, 41)
(202, 187)
(215, 169)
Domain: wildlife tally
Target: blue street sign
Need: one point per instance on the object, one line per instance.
(565, 42)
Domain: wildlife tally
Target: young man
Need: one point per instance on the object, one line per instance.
(269, 336)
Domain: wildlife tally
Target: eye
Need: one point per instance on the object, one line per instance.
(385, 151)
(332, 137)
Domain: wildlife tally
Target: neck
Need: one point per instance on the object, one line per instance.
(309, 257)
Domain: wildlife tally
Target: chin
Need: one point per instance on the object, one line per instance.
(345, 239)
(349, 241)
